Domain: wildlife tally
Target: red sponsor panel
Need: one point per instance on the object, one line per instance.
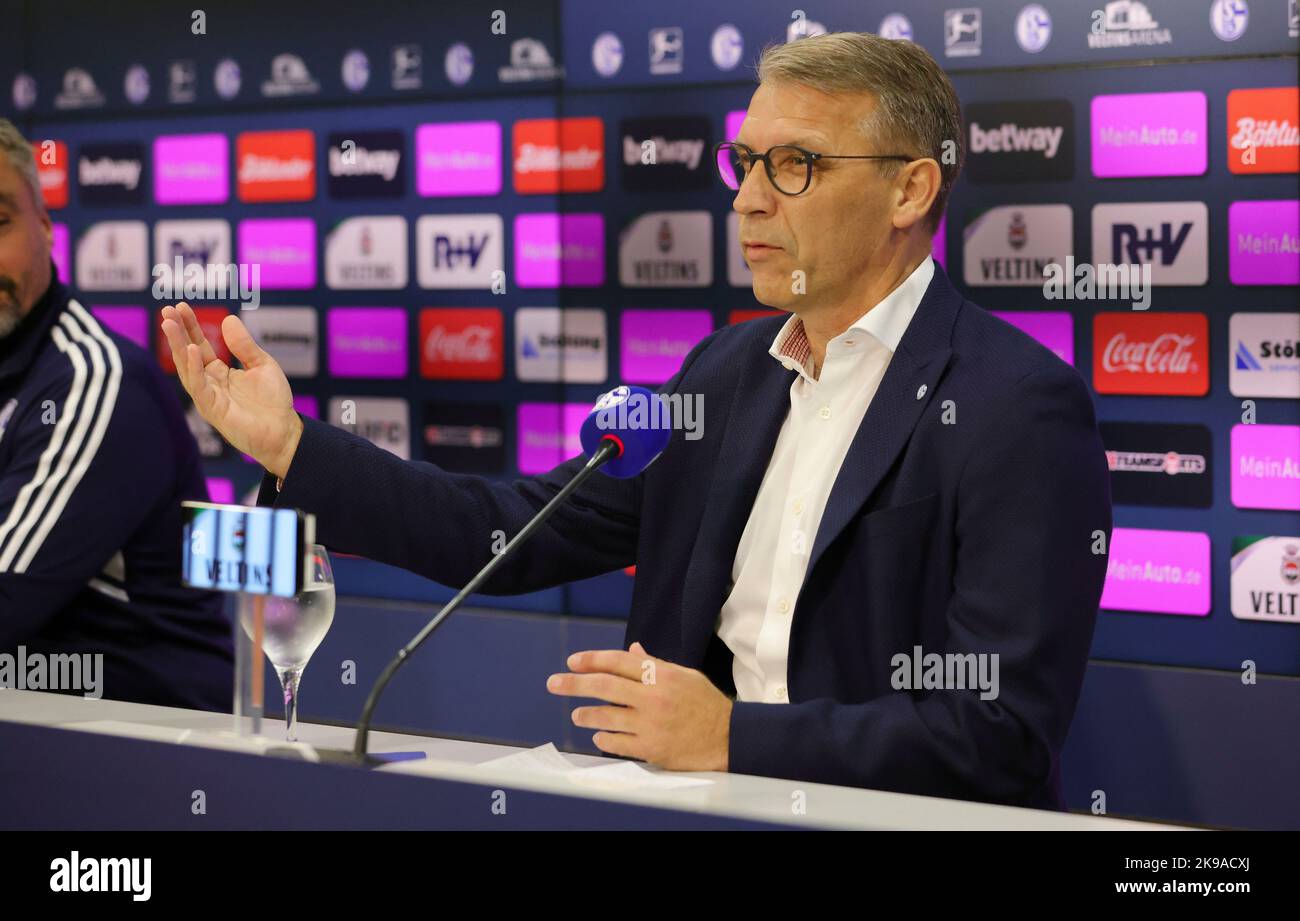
(52, 169)
(740, 316)
(558, 155)
(462, 343)
(1151, 353)
(209, 320)
(276, 166)
(1264, 130)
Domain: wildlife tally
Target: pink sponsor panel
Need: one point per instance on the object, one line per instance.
(130, 322)
(559, 250)
(221, 490)
(939, 245)
(1052, 328)
(458, 158)
(307, 405)
(1264, 242)
(548, 434)
(1149, 134)
(367, 342)
(191, 169)
(283, 248)
(61, 252)
(1164, 572)
(1266, 466)
(654, 342)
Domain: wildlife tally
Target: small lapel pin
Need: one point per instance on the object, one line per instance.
(921, 392)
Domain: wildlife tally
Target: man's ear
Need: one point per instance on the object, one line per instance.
(917, 184)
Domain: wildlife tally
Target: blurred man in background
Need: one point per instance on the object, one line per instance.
(95, 460)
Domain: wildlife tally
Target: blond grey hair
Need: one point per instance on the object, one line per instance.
(15, 149)
(916, 112)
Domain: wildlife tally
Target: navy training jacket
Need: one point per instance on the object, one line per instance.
(95, 460)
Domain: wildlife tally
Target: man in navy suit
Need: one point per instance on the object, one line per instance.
(880, 566)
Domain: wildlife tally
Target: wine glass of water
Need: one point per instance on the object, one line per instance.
(292, 628)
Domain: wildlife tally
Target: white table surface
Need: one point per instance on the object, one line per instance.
(739, 796)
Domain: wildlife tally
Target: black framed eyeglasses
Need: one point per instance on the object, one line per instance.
(789, 167)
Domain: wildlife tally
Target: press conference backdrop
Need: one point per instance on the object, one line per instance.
(459, 244)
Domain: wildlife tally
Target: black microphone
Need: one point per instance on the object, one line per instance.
(626, 430)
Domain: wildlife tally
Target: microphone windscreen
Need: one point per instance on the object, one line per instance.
(641, 421)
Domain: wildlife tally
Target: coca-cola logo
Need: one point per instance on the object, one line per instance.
(474, 343)
(1168, 353)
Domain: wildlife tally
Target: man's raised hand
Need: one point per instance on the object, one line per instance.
(252, 407)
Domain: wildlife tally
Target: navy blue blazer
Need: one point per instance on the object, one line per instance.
(965, 519)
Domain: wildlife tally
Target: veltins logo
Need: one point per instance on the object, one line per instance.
(558, 155)
(289, 334)
(52, 171)
(367, 342)
(458, 158)
(1266, 579)
(462, 343)
(1018, 141)
(1052, 328)
(1164, 572)
(113, 256)
(561, 345)
(383, 421)
(1264, 355)
(284, 248)
(366, 164)
(1158, 464)
(367, 253)
(1149, 134)
(191, 169)
(1264, 130)
(1012, 245)
(1172, 237)
(1266, 466)
(559, 250)
(276, 166)
(654, 342)
(657, 154)
(459, 250)
(289, 77)
(667, 249)
(111, 174)
(1150, 353)
(1264, 242)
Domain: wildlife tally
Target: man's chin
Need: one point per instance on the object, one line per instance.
(10, 315)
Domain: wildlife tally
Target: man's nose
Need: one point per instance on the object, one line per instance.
(756, 193)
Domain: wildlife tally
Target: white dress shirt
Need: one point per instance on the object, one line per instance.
(772, 557)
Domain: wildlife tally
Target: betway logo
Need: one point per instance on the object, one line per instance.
(365, 162)
(255, 168)
(535, 158)
(107, 171)
(1011, 138)
(687, 152)
(1166, 354)
(1252, 132)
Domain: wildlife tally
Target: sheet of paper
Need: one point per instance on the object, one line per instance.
(617, 775)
